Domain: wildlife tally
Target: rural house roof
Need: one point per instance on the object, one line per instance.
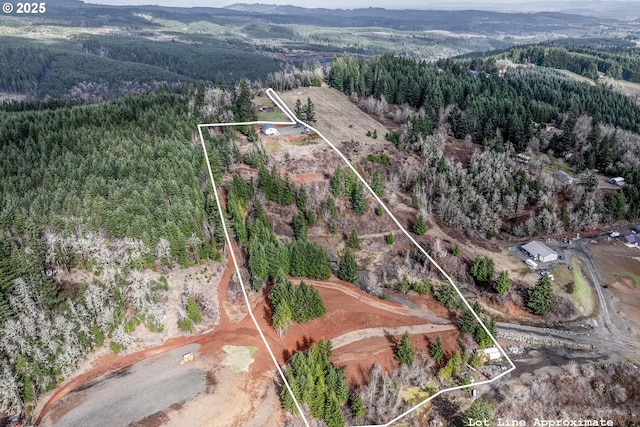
(538, 249)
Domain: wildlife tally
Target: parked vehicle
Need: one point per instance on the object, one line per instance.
(186, 358)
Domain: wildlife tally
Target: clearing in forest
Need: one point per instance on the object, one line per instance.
(355, 319)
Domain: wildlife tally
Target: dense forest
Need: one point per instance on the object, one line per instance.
(505, 112)
(618, 63)
(101, 67)
(110, 188)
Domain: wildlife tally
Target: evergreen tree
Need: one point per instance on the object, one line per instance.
(317, 383)
(390, 239)
(456, 362)
(482, 269)
(480, 411)
(447, 296)
(503, 283)
(337, 182)
(405, 352)
(456, 251)
(282, 317)
(482, 338)
(420, 227)
(301, 199)
(357, 406)
(193, 312)
(436, 350)
(540, 299)
(379, 210)
(347, 269)
(220, 81)
(467, 322)
(258, 263)
(310, 111)
(243, 108)
(308, 259)
(300, 227)
(377, 183)
(354, 241)
(299, 112)
(358, 199)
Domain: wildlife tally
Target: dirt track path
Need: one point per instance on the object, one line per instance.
(361, 334)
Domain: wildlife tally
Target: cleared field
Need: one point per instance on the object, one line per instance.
(582, 293)
(268, 111)
(619, 268)
(577, 77)
(339, 119)
(630, 87)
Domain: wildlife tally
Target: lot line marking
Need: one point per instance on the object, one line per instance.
(271, 93)
(294, 120)
(244, 291)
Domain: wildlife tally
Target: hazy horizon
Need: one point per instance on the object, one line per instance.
(506, 5)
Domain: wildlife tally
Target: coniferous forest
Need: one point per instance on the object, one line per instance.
(111, 188)
(102, 171)
(506, 111)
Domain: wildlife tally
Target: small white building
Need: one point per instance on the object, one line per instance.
(617, 180)
(540, 251)
(269, 129)
(492, 353)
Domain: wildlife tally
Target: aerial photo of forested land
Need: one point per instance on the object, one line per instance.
(422, 218)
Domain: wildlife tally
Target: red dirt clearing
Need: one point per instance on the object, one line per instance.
(303, 178)
(359, 357)
(348, 309)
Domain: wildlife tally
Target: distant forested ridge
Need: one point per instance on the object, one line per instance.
(618, 62)
(101, 67)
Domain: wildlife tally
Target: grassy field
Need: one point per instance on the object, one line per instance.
(582, 293)
(577, 76)
(338, 118)
(629, 275)
(630, 87)
(271, 111)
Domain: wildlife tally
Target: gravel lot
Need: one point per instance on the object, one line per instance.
(132, 394)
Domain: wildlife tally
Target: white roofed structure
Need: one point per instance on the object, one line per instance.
(540, 251)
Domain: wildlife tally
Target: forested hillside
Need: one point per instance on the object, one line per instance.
(102, 67)
(618, 62)
(506, 113)
(109, 188)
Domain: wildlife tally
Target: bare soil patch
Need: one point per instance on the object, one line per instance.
(461, 151)
(619, 268)
(359, 357)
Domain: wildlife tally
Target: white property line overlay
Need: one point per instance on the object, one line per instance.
(294, 120)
